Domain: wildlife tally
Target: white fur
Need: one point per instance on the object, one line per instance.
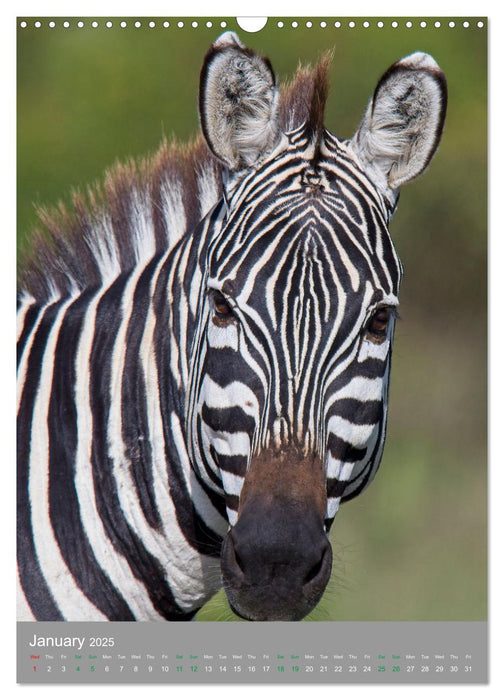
(377, 350)
(199, 498)
(332, 507)
(26, 301)
(356, 435)
(23, 610)
(230, 444)
(223, 336)
(233, 394)
(361, 388)
(102, 241)
(71, 601)
(208, 190)
(144, 239)
(23, 362)
(400, 129)
(239, 106)
(173, 210)
(182, 565)
(111, 562)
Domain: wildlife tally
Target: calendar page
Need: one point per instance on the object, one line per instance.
(223, 476)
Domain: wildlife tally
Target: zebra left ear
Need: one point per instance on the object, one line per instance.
(403, 123)
(238, 103)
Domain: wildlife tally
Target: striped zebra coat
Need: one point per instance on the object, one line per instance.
(204, 350)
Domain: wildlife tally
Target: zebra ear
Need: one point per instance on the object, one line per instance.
(403, 123)
(238, 103)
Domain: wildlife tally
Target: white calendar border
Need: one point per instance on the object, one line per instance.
(244, 8)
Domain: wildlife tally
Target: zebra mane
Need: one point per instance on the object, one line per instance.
(304, 99)
(144, 207)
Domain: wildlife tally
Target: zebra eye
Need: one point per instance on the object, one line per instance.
(378, 323)
(221, 306)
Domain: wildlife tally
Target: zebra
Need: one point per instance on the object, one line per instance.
(204, 348)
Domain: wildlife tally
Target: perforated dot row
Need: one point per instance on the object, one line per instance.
(295, 24)
(366, 24)
(80, 24)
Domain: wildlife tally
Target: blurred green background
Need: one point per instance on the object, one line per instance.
(414, 545)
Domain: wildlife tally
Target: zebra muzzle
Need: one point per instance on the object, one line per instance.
(276, 561)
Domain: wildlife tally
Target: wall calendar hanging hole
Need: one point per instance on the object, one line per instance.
(252, 24)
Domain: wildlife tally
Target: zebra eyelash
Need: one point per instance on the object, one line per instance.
(375, 328)
(222, 308)
(392, 309)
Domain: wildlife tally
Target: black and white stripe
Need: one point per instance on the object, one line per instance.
(308, 277)
(140, 406)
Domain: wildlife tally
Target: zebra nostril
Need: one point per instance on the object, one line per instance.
(239, 563)
(231, 563)
(313, 572)
(319, 573)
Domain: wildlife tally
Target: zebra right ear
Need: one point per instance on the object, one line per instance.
(238, 104)
(403, 123)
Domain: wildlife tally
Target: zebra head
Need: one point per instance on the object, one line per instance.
(291, 358)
